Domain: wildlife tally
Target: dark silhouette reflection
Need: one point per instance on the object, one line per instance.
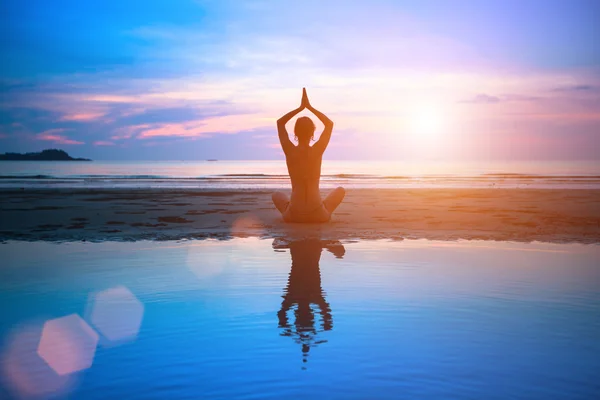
(304, 294)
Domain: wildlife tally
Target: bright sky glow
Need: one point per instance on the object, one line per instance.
(159, 80)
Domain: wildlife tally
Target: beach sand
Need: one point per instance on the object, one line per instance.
(437, 214)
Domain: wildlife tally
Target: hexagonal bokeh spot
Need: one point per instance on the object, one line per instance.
(246, 226)
(117, 314)
(206, 263)
(24, 372)
(68, 344)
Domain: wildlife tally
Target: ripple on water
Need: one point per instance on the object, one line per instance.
(250, 318)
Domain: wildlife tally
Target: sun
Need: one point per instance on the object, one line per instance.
(426, 121)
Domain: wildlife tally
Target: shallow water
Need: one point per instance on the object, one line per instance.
(254, 319)
(271, 174)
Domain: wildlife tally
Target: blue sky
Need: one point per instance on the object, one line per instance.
(171, 80)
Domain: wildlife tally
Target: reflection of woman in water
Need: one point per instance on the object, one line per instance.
(304, 166)
(304, 292)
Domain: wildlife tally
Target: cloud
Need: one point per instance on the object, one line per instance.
(52, 131)
(574, 88)
(206, 127)
(520, 97)
(127, 132)
(482, 99)
(166, 114)
(52, 135)
(233, 68)
(488, 99)
(110, 98)
(81, 117)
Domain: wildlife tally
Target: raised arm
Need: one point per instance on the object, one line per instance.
(323, 141)
(284, 138)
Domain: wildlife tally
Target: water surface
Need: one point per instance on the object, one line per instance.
(254, 319)
(271, 174)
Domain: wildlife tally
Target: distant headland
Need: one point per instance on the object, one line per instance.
(46, 155)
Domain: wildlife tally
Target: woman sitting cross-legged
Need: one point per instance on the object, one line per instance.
(304, 166)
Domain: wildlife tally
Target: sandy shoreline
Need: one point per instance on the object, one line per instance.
(437, 214)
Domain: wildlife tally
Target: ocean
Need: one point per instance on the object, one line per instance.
(272, 174)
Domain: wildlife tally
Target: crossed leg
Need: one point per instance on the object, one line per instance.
(333, 199)
(331, 202)
(281, 201)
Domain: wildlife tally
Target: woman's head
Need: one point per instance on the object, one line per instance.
(304, 130)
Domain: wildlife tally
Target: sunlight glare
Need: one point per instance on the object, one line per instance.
(426, 121)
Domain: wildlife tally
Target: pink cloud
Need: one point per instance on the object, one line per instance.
(181, 130)
(127, 132)
(103, 143)
(81, 117)
(3, 136)
(207, 127)
(52, 135)
(110, 98)
(132, 111)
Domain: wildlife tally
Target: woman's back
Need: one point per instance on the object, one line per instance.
(304, 166)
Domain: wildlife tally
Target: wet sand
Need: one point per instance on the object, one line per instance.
(562, 216)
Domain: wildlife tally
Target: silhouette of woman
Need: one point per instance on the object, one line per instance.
(304, 290)
(304, 166)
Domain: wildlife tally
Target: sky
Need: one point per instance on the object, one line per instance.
(191, 80)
